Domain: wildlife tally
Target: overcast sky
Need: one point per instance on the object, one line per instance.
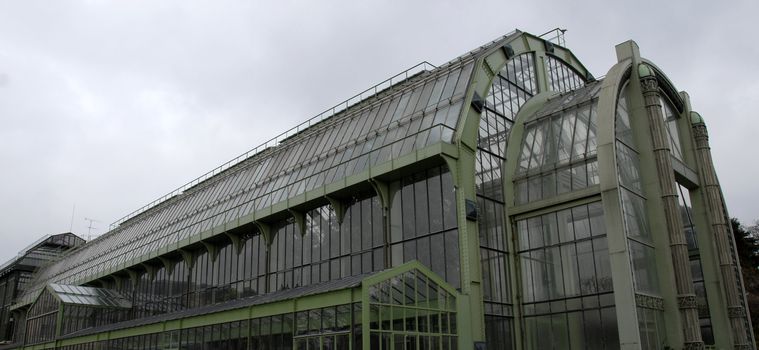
(107, 105)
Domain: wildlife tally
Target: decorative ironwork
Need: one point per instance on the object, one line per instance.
(649, 302)
(694, 346)
(700, 132)
(649, 84)
(736, 312)
(687, 301)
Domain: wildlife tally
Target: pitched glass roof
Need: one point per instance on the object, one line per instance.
(563, 130)
(421, 110)
(42, 251)
(569, 99)
(89, 296)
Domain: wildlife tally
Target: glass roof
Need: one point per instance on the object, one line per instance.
(89, 296)
(569, 99)
(43, 250)
(561, 131)
(558, 150)
(412, 288)
(421, 110)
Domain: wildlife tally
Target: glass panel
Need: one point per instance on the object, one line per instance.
(567, 258)
(561, 77)
(644, 268)
(628, 164)
(558, 152)
(670, 119)
(636, 223)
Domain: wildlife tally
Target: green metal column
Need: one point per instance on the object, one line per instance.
(721, 231)
(619, 254)
(470, 305)
(686, 297)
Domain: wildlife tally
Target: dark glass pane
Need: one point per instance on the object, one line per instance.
(396, 216)
(609, 326)
(452, 265)
(423, 251)
(449, 200)
(366, 224)
(421, 203)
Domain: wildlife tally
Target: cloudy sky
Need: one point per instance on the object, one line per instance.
(107, 105)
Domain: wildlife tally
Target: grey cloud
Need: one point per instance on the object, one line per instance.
(111, 104)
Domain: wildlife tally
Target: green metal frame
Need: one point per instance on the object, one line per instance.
(397, 271)
(472, 323)
(460, 158)
(309, 302)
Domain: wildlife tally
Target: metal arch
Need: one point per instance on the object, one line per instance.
(610, 90)
(667, 86)
(491, 61)
(606, 111)
(487, 65)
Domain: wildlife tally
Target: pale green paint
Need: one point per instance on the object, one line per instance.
(316, 195)
(553, 203)
(655, 207)
(710, 269)
(309, 302)
(460, 158)
(644, 70)
(462, 301)
(619, 255)
(472, 328)
(695, 118)
(406, 267)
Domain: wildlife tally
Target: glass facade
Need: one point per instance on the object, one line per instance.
(410, 311)
(567, 290)
(423, 227)
(12, 284)
(81, 317)
(423, 224)
(558, 153)
(381, 226)
(512, 87)
(651, 325)
(16, 274)
(332, 328)
(704, 317)
(42, 319)
(421, 111)
(562, 77)
(670, 121)
(639, 239)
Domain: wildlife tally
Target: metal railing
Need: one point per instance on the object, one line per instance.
(555, 36)
(23, 252)
(340, 107)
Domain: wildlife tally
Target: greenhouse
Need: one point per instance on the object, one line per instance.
(507, 199)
